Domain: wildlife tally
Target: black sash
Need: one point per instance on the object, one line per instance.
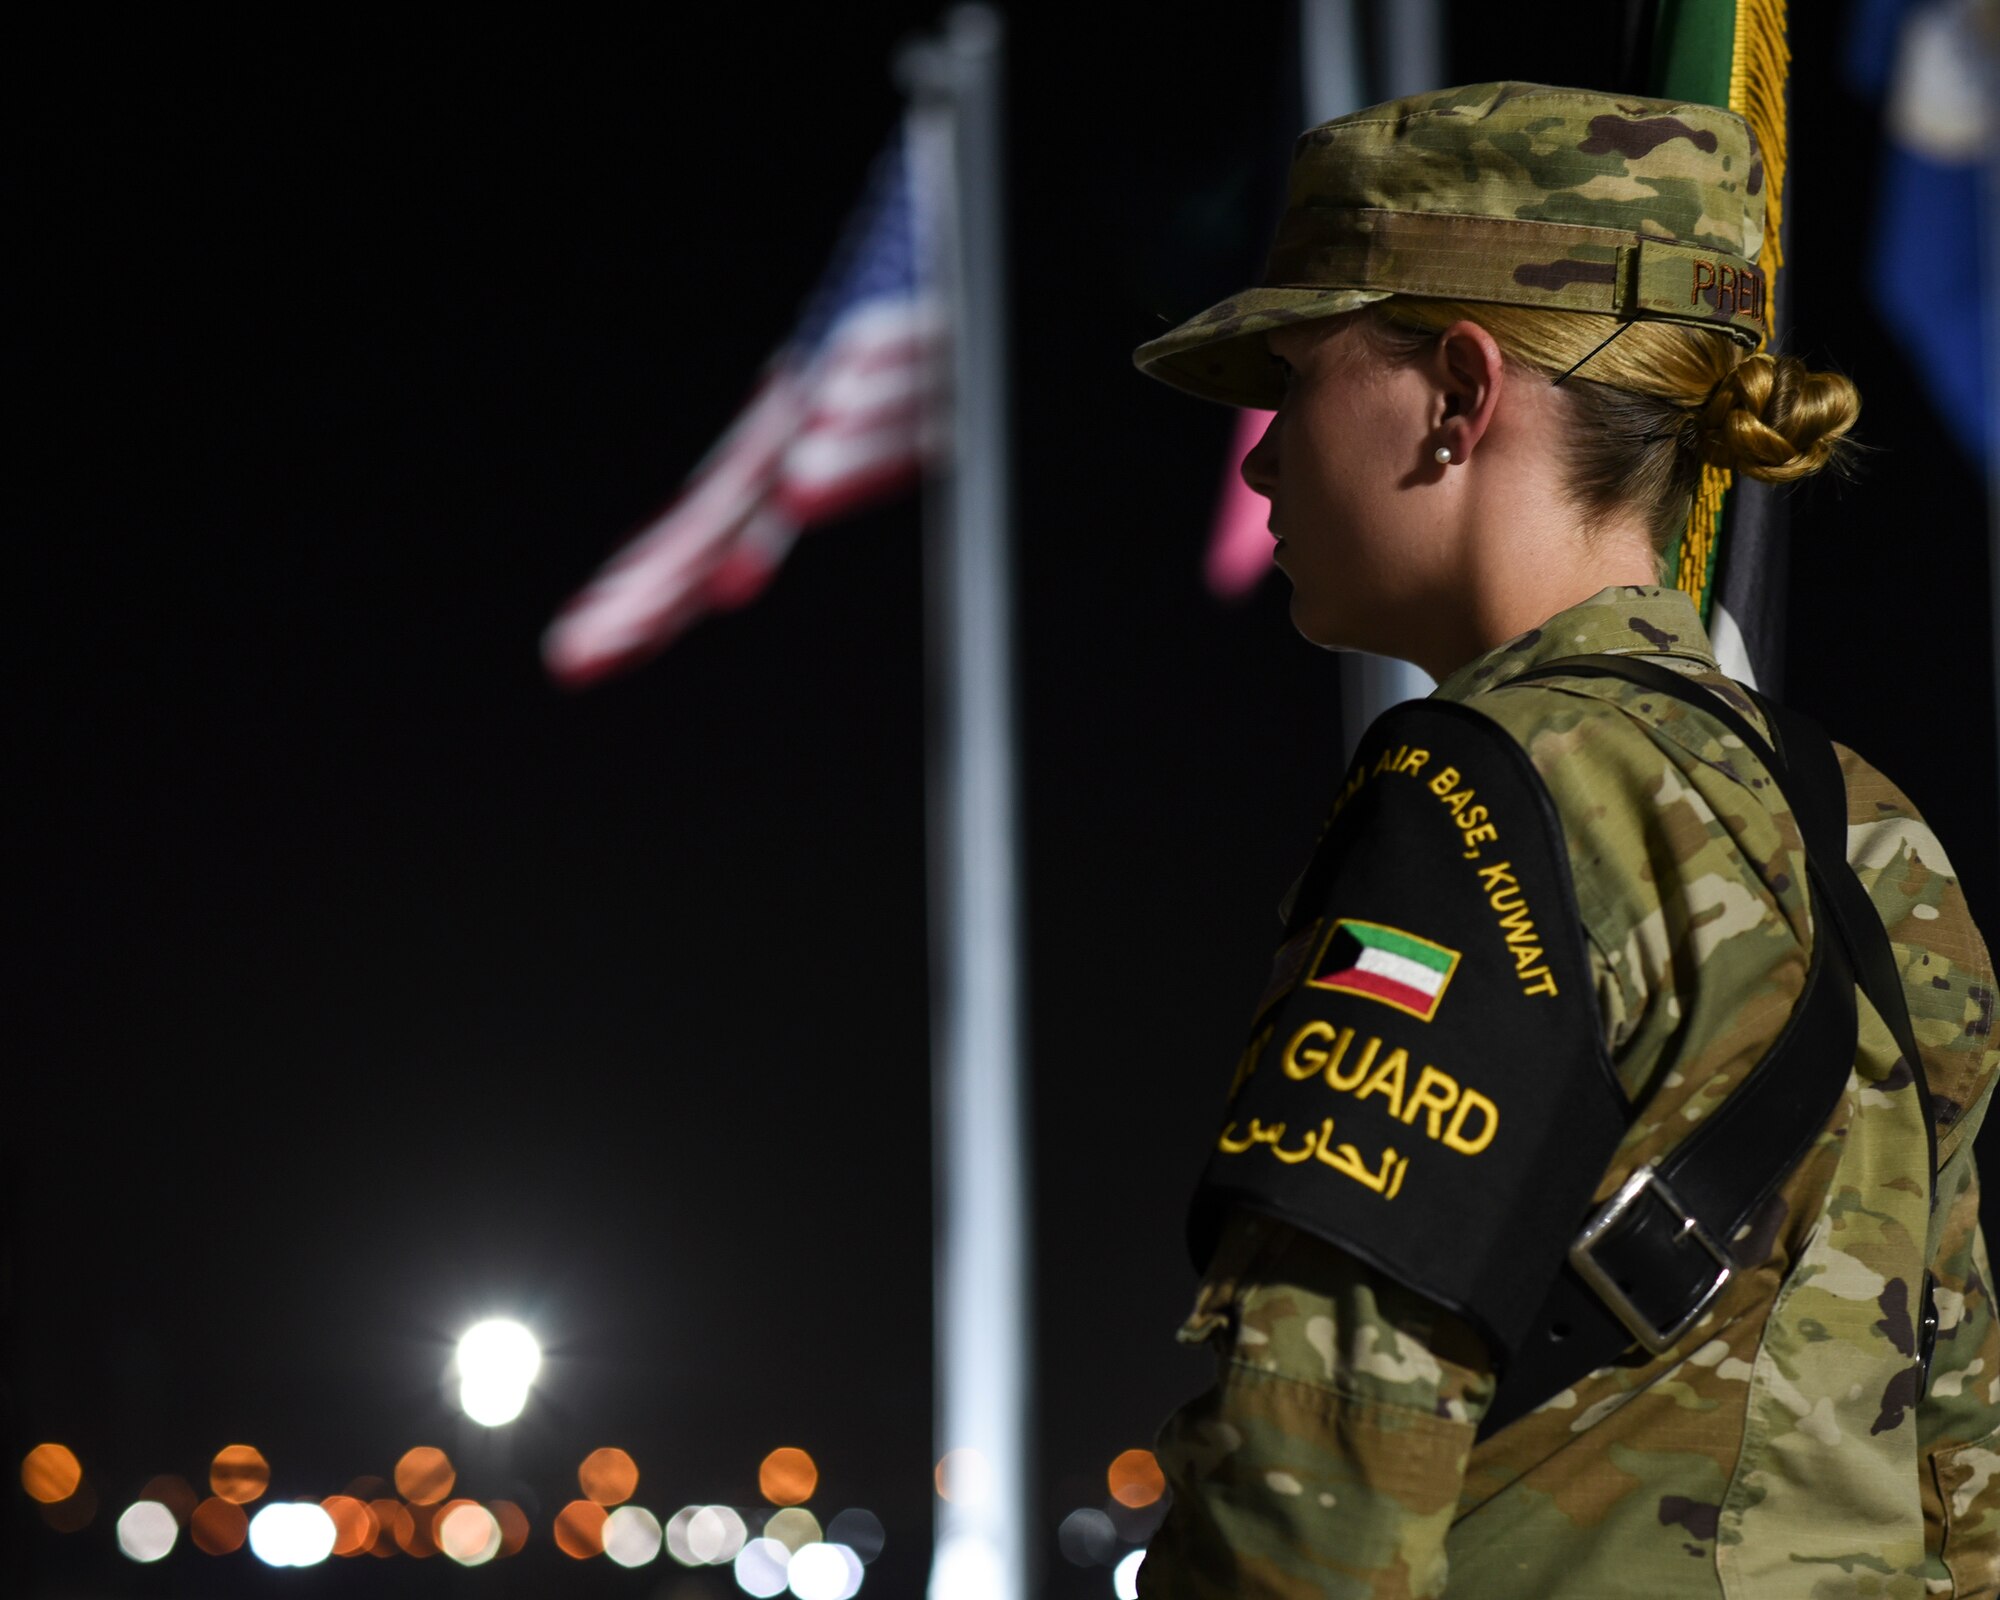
(1651, 1259)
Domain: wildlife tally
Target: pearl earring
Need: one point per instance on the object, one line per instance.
(1442, 455)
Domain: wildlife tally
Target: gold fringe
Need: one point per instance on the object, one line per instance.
(1759, 71)
(1697, 564)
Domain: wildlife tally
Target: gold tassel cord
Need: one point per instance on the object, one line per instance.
(1759, 68)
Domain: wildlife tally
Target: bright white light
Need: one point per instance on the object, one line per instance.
(291, 1534)
(497, 1363)
(715, 1536)
(967, 1565)
(470, 1535)
(1125, 1576)
(677, 1536)
(147, 1530)
(824, 1572)
(632, 1536)
(760, 1568)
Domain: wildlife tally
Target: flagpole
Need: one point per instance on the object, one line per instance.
(983, 1288)
(1989, 291)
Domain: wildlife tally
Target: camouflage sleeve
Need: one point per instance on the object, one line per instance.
(1327, 1458)
(1948, 981)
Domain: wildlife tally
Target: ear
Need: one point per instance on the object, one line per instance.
(1469, 371)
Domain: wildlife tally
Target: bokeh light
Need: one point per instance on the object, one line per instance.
(714, 1536)
(760, 1568)
(1088, 1538)
(861, 1531)
(392, 1525)
(794, 1528)
(174, 1492)
(824, 1572)
(74, 1512)
(513, 1526)
(354, 1527)
(147, 1530)
(964, 1478)
(580, 1529)
(608, 1476)
(424, 1475)
(50, 1473)
(239, 1474)
(497, 1363)
(787, 1477)
(1125, 1576)
(1135, 1478)
(218, 1527)
(468, 1533)
(291, 1533)
(413, 1529)
(632, 1536)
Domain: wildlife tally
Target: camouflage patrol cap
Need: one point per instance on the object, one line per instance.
(1519, 193)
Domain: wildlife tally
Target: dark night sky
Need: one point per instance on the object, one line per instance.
(364, 983)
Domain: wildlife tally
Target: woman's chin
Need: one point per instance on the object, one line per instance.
(1315, 626)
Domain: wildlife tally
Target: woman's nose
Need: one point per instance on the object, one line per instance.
(1260, 466)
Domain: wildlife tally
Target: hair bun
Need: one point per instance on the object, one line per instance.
(1774, 418)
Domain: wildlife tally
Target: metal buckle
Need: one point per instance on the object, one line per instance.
(1647, 1181)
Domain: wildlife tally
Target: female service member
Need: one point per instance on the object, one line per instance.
(1594, 1211)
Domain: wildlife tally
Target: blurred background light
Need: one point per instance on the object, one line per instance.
(632, 1536)
(715, 1535)
(354, 1528)
(513, 1527)
(676, 1536)
(608, 1476)
(760, 1568)
(74, 1512)
(50, 1473)
(412, 1526)
(291, 1533)
(392, 1521)
(468, 1533)
(964, 1478)
(1088, 1538)
(239, 1474)
(861, 1531)
(1136, 1525)
(424, 1476)
(824, 1572)
(580, 1529)
(1125, 1576)
(794, 1528)
(787, 1477)
(218, 1527)
(497, 1363)
(174, 1492)
(147, 1530)
(1135, 1478)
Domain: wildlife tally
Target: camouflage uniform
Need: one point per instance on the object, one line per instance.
(1508, 192)
(1780, 1449)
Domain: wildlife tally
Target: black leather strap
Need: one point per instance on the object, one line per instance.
(1661, 1250)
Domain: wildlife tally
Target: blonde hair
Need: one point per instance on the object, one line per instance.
(1656, 403)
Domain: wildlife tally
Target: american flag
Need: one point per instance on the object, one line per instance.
(847, 411)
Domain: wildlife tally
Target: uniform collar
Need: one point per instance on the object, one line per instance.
(1625, 620)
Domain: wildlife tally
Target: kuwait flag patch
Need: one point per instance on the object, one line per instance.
(1386, 964)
